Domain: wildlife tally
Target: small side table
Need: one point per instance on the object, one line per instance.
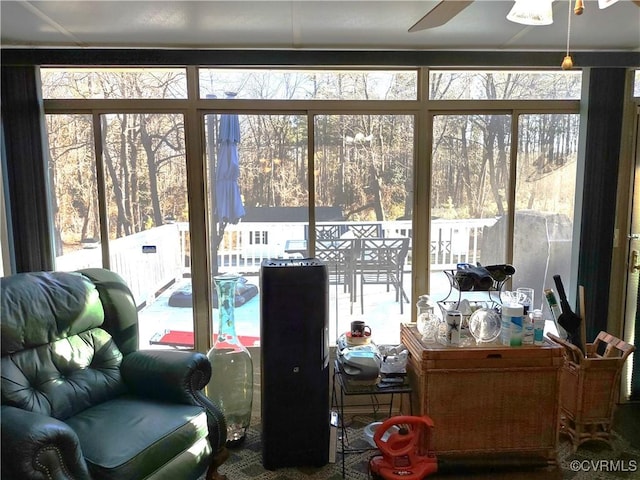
(347, 389)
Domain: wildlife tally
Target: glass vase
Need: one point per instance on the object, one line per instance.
(231, 384)
(426, 319)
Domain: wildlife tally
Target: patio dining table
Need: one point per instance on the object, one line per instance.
(338, 254)
(373, 260)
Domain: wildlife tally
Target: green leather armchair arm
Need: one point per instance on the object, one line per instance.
(36, 446)
(175, 376)
(169, 375)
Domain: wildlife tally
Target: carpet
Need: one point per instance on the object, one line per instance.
(592, 461)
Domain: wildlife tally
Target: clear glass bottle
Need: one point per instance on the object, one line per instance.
(231, 384)
(424, 305)
(426, 319)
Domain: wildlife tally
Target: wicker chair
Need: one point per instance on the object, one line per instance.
(589, 386)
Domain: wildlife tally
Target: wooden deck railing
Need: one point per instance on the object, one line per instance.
(245, 245)
(151, 260)
(148, 260)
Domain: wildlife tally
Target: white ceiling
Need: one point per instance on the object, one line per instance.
(318, 25)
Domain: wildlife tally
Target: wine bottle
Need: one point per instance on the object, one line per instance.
(568, 319)
(555, 311)
(553, 304)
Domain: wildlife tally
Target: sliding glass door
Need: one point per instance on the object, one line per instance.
(363, 176)
(323, 163)
(257, 202)
(142, 172)
(487, 210)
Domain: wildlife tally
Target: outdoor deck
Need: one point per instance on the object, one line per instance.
(382, 312)
(152, 259)
(156, 262)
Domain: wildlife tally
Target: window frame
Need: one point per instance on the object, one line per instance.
(194, 108)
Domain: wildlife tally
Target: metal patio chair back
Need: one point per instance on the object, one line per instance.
(381, 262)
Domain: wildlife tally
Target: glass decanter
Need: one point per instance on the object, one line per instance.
(426, 320)
(231, 384)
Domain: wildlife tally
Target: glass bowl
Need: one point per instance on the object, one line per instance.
(484, 325)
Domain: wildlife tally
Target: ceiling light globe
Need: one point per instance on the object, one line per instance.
(531, 12)
(606, 3)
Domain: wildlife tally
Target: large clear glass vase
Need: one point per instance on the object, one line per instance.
(231, 384)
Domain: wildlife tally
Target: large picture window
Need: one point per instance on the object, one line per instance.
(321, 171)
(114, 83)
(504, 85)
(280, 84)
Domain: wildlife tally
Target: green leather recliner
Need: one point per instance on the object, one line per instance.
(80, 401)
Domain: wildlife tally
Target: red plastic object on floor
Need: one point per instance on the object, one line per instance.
(179, 338)
(407, 453)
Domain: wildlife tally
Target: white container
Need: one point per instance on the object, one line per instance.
(511, 327)
(527, 329)
(538, 327)
(454, 324)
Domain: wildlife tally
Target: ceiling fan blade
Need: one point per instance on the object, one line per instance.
(440, 14)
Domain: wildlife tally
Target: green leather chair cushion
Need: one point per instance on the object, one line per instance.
(141, 436)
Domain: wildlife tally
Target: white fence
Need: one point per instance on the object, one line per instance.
(456, 241)
(245, 245)
(151, 260)
(148, 260)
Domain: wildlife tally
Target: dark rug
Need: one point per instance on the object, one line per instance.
(592, 461)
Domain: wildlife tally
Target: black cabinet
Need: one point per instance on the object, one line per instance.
(294, 333)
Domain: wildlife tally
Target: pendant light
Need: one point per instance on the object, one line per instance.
(567, 62)
(605, 3)
(531, 12)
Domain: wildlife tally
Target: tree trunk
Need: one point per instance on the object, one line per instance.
(121, 220)
(376, 189)
(152, 168)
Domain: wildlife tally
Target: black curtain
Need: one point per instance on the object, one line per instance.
(26, 169)
(604, 108)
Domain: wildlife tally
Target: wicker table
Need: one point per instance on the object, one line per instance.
(488, 399)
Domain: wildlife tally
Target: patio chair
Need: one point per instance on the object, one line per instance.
(326, 231)
(381, 262)
(339, 256)
(366, 230)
